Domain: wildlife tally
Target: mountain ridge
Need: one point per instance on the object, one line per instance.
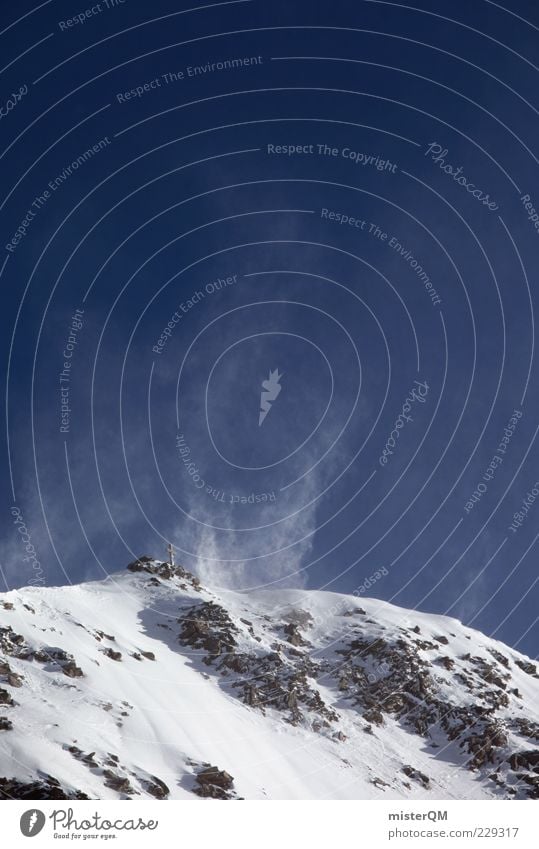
(148, 685)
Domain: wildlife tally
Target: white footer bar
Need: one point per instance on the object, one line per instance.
(267, 825)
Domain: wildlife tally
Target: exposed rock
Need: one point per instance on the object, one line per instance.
(5, 697)
(59, 658)
(214, 783)
(11, 678)
(373, 671)
(501, 658)
(114, 655)
(528, 667)
(208, 626)
(72, 670)
(488, 672)
(299, 617)
(100, 635)
(162, 570)
(48, 788)
(117, 782)
(374, 716)
(11, 643)
(529, 760)
(52, 654)
(140, 564)
(485, 741)
(293, 635)
(416, 775)
(157, 788)
(527, 727)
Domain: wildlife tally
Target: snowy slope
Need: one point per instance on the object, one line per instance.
(135, 685)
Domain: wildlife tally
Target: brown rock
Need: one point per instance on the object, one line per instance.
(149, 655)
(215, 776)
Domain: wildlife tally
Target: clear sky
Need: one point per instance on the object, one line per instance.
(336, 199)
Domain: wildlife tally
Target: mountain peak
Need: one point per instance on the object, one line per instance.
(148, 684)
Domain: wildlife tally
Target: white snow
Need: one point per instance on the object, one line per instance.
(169, 716)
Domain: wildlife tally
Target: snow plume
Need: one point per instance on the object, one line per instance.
(252, 454)
(274, 553)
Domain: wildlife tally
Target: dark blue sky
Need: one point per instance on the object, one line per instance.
(346, 193)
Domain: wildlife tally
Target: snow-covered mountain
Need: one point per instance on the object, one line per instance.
(147, 684)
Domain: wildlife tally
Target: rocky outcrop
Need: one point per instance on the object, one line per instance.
(11, 643)
(6, 698)
(114, 655)
(528, 667)
(156, 788)
(14, 645)
(348, 675)
(208, 626)
(416, 775)
(214, 783)
(48, 788)
(120, 783)
(164, 571)
(278, 679)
